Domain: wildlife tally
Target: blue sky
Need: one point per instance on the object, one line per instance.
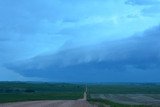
(80, 40)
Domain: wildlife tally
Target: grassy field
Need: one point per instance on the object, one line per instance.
(26, 87)
(21, 91)
(30, 91)
(15, 97)
(124, 88)
(122, 92)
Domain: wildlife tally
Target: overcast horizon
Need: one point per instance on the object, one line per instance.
(80, 40)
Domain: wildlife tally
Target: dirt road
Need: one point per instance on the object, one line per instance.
(58, 103)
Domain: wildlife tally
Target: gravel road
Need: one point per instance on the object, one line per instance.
(58, 103)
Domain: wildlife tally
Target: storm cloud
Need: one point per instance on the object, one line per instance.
(137, 56)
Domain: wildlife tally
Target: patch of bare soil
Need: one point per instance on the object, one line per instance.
(133, 99)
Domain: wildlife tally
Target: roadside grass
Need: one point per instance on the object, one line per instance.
(16, 97)
(102, 103)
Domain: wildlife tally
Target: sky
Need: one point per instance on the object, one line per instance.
(80, 40)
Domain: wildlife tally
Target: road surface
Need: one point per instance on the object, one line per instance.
(54, 103)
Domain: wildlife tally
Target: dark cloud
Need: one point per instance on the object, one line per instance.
(29, 28)
(142, 2)
(126, 60)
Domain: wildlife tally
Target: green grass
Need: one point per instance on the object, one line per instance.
(102, 102)
(15, 97)
(9, 87)
(131, 88)
(25, 91)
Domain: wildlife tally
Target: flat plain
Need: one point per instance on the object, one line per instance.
(35, 94)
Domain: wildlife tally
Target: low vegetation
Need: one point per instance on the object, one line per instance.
(125, 88)
(150, 89)
(21, 91)
(15, 97)
(36, 87)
